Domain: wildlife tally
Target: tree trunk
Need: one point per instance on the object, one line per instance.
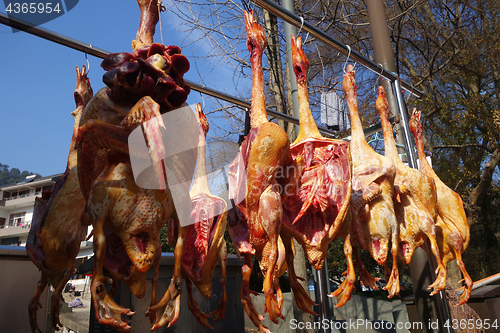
(275, 68)
(299, 263)
(481, 188)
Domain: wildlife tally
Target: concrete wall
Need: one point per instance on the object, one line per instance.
(18, 281)
(232, 322)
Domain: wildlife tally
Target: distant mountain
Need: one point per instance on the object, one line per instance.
(8, 177)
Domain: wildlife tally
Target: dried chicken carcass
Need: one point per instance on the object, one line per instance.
(318, 211)
(373, 220)
(205, 243)
(126, 218)
(415, 201)
(55, 235)
(452, 228)
(257, 183)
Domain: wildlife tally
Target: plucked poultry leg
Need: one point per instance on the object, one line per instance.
(452, 228)
(257, 183)
(167, 310)
(373, 220)
(415, 201)
(205, 244)
(302, 298)
(317, 212)
(55, 235)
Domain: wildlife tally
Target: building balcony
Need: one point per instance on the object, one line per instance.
(19, 201)
(16, 230)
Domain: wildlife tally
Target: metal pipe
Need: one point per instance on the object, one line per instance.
(410, 151)
(321, 299)
(289, 30)
(52, 36)
(100, 53)
(442, 305)
(291, 18)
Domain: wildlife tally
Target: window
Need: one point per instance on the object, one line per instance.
(2, 223)
(23, 194)
(17, 219)
(38, 190)
(10, 241)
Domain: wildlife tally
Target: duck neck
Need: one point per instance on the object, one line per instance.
(258, 114)
(419, 143)
(389, 144)
(308, 128)
(356, 125)
(200, 184)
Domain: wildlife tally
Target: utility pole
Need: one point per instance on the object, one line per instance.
(289, 30)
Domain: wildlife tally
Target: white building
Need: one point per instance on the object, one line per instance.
(16, 211)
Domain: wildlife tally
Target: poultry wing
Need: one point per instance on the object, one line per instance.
(373, 220)
(56, 231)
(258, 178)
(414, 201)
(318, 211)
(452, 228)
(126, 218)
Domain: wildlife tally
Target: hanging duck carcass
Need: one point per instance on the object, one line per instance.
(126, 218)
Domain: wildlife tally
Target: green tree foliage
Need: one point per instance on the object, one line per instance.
(11, 176)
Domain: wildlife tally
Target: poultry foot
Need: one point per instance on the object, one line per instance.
(221, 310)
(467, 279)
(168, 308)
(107, 311)
(35, 303)
(344, 291)
(246, 299)
(368, 280)
(302, 298)
(201, 316)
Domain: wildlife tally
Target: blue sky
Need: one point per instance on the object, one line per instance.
(37, 78)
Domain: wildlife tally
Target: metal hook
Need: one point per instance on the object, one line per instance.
(300, 29)
(88, 63)
(348, 55)
(378, 78)
(203, 100)
(301, 25)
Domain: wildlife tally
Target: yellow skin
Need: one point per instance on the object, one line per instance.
(314, 215)
(415, 201)
(452, 228)
(267, 156)
(60, 220)
(373, 219)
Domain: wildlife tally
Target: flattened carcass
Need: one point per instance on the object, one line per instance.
(452, 228)
(257, 183)
(56, 231)
(414, 201)
(317, 212)
(205, 243)
(127, 219)
(373, 220)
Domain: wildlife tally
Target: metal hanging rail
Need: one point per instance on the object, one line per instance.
(100, 53)
(296, 21)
